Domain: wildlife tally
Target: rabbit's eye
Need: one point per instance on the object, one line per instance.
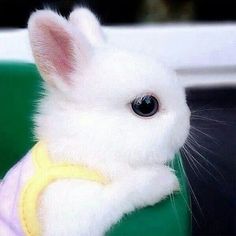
(145, 106)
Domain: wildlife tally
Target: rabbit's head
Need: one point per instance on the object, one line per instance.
(103, 104)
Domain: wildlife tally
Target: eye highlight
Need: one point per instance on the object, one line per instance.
(145, 106)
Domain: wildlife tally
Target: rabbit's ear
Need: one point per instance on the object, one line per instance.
(88, 24)
(57, 50)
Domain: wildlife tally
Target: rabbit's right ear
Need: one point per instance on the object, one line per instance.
(57, 49)
(83, 19)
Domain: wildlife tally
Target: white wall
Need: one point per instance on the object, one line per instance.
(203, 55)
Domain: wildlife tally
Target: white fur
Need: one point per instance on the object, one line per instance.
(88, 119)
(85, 21)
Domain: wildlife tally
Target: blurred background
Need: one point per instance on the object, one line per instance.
(211, 162)
(15, 13)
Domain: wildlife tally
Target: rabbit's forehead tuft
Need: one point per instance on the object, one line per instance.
(116, 73)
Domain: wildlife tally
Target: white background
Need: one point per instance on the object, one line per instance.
(202, 55)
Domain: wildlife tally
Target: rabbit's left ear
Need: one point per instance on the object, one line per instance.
(57, 49)
(88, 24)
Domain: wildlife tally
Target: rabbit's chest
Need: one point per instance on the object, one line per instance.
(74, 205)
(57, 195)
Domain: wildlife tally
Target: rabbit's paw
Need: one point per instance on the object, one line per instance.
(156, 184)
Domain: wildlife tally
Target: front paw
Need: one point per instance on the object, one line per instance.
(157, 183)
(167, 178)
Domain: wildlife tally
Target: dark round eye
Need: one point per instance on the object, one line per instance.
(145, 106)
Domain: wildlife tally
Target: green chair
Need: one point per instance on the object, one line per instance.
(19, 91)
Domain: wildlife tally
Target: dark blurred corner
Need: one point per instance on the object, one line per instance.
(210, 162)
(15, 13)
(208, 10)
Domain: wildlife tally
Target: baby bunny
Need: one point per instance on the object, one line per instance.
(109, 122)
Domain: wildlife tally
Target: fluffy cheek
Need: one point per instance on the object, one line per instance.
(182, 128)
(133, 140)
(136, 141)
(112, 137)
(99, 136)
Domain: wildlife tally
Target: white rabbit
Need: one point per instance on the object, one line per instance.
(118, 112)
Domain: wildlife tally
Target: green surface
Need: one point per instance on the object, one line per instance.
(19, 90)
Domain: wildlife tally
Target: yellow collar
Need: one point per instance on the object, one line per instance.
(47, 172)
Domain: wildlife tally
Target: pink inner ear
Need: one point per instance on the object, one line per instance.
(62, 53)
(55, 50)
